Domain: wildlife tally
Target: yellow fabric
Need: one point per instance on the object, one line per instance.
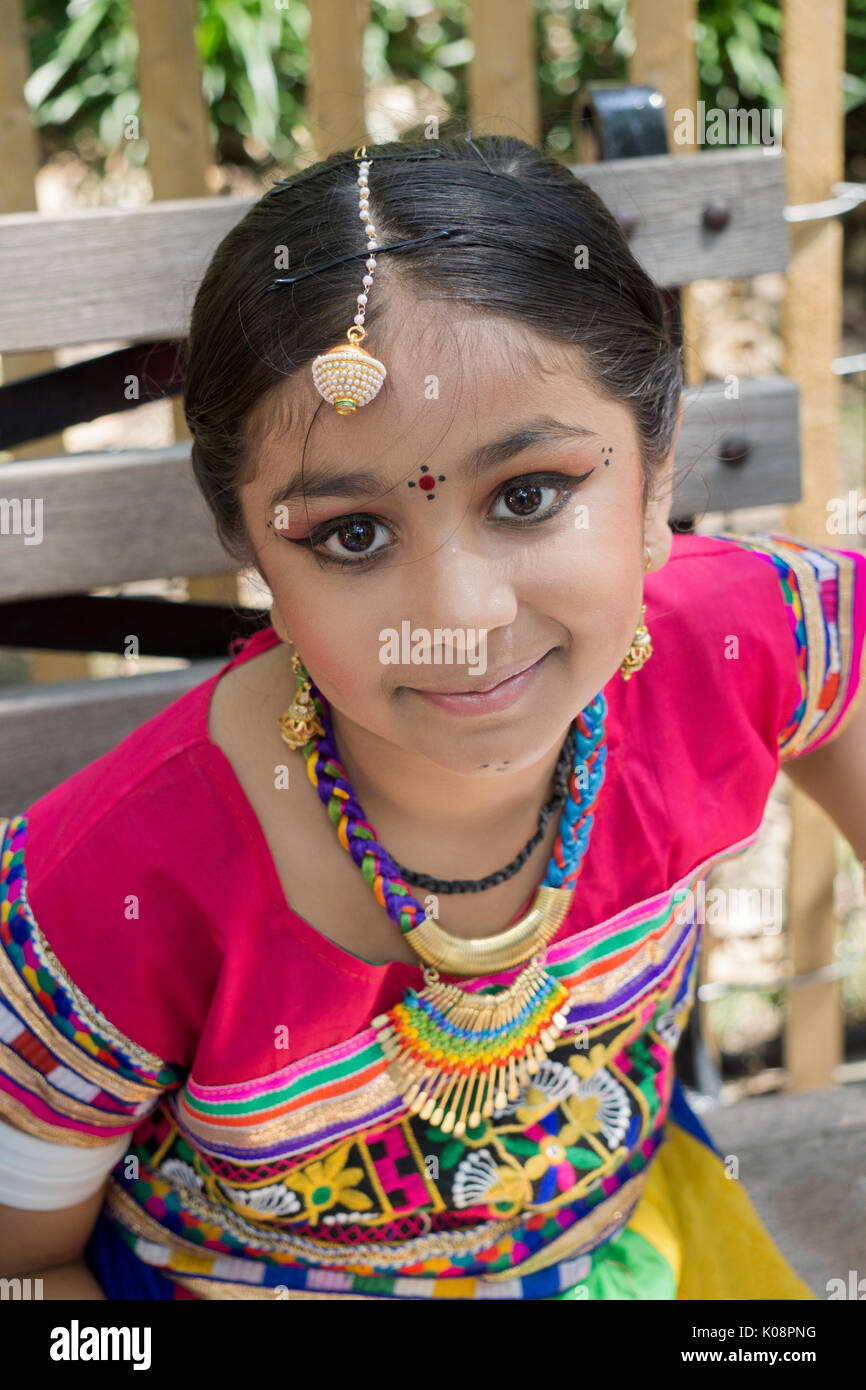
(705, 1225)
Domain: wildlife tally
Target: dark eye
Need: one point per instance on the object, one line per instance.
(524, 498)
(355, 536)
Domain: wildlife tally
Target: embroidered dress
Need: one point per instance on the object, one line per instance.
(155, 983)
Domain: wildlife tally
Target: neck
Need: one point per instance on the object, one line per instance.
(453, 828)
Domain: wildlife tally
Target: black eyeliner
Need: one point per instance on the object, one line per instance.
(566, 482)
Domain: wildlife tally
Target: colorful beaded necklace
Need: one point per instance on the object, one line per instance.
(455, 1055)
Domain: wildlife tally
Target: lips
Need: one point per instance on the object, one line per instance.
(475, 688)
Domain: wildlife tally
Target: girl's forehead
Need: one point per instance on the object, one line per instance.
(457, 380)
(462, 344)
(448, 372)
(464, 432)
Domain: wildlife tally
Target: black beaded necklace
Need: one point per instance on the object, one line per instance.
(476, 885)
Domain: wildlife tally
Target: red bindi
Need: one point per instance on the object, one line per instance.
(427, 482)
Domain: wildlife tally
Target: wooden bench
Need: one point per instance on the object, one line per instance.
(801, 1160)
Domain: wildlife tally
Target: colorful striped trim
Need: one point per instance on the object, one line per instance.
(346, 1089)
(817, 587)
(562, 1248)
(227, 1229)
(63, 1065)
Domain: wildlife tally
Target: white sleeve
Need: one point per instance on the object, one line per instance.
(40, 1175)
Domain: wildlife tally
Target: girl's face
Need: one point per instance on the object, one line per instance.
(529, 546)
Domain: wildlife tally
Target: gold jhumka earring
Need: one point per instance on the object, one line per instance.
(641, 648)
(300, 722)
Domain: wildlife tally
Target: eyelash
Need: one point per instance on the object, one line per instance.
(565, 482)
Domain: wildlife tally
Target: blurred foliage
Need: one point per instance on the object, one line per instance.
(254, 63)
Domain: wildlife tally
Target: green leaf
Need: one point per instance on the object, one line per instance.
(515, 1143)
(70, 50)
(583, 1158)
(853, 91)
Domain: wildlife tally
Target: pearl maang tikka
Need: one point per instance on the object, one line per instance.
(348, 377)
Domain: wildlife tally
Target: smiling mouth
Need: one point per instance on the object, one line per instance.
(486, 689)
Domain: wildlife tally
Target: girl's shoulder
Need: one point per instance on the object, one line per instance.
(114, 886)
(773, 622)
(158, 782)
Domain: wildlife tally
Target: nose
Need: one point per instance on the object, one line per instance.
(460, 585)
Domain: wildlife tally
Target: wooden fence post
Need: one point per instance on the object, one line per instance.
(813, 56)
(174, 120)
(19, 160)
(336, 106)
(503, 74)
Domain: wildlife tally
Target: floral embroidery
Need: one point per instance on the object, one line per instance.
(324, 1184)
(480, 1180)
(273, 1200)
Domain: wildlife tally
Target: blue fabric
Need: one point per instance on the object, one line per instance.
(682, 1114)
(118, 1270)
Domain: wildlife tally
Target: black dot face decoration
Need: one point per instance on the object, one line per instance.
(427, 482)
(607, 449)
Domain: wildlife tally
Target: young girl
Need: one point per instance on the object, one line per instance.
(358, 972)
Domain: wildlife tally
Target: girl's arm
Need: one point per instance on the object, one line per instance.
(834, 776)
(44, 1243)
(72, 1281)
(45, 1221)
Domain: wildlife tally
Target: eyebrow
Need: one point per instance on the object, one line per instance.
(320, 482)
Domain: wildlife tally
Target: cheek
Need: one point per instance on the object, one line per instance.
(333, 646)
(604, 630)
(612, 565)
(594, 592)
(613, 605)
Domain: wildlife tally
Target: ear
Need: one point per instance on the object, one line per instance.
(657, 532)
(278, 625)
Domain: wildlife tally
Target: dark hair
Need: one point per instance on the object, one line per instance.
(513, 255)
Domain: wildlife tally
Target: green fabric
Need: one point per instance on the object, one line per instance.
(626, 1267)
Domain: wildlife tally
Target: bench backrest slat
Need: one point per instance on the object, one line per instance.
(131, 274)
(49, 732)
